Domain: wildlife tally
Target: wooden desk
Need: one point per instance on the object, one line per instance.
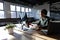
(34, 35)
(22, 35)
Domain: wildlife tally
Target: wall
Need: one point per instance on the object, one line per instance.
(1, 0)
(55, 13)
(7, 9)
(37, 9)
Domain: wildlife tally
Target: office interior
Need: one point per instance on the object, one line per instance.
(14, 11)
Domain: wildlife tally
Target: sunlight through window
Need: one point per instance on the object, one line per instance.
(17, 8)
(13, 14)
(1, 14)
(1, 6)
(26, 9)
(29, 10)
(22, 9)
(12, 7)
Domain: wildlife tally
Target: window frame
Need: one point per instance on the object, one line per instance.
(21, 10)
(3, 10)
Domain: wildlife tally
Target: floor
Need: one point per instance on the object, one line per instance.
(23, 35)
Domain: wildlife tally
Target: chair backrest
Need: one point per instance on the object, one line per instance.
(54, 27)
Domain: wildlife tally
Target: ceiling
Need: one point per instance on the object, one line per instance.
(32, 2)
(28, 2)
(54, 1)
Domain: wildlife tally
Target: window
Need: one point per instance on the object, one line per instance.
(1, 14)
(17, 8)
(13, 14)
(13, 11)
(22, 9)
(1, 6)
(17, 11)
(1, 11)
(12, 7)
(18, 15)
(29, 10)
(26, 9)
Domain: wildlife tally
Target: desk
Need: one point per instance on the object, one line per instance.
(22, 35)
(5, 36)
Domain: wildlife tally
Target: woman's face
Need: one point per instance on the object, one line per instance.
(42, 15)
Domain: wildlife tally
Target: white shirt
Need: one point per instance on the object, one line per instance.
(44, 22)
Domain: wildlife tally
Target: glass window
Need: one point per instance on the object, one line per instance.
(2, 14)
(13, 14)
(12, 7)
(18, 15)
(26, 9)
(17, 8)
(22, 9)
(1, 6)
(29, 10)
